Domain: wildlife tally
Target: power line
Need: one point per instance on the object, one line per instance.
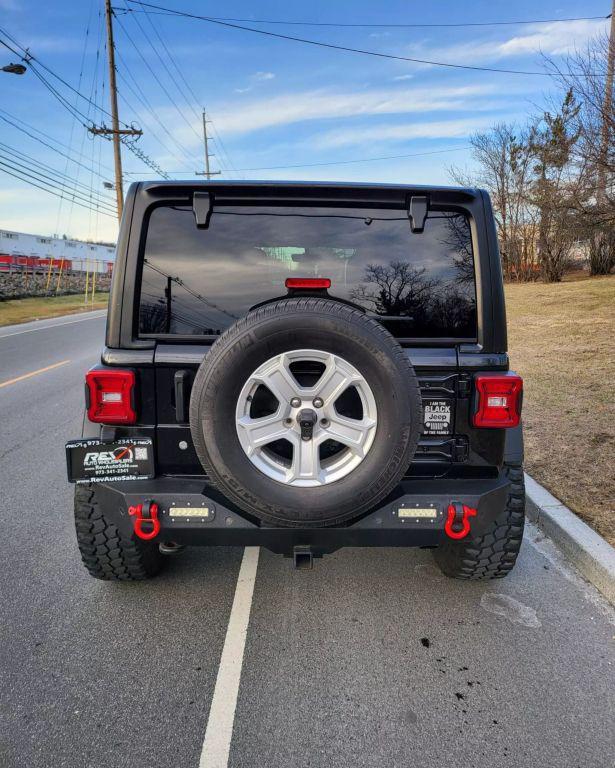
(196, 295)
(347, 49)
(131, 107)
(32, 175)
(344, 162)
(32, 180)
(138, 152)
(28, 58)
(391, 25)
(172, 61)
(152, 132)
(57, 175)
(24, 163)
(47, 144)
(84, 119)
(185, 91)
(188, 90)
(351, 162)
(73, 111)
(93, 97)
(19, 125)
(160, 83)
(219, 143)
(73, 121)
(134, 87)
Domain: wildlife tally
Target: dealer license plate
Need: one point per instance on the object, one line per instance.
(100, 461)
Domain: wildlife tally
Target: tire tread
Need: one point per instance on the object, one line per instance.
(493, 555)
(105, 550)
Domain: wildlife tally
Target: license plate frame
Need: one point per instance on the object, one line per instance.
(104, 461)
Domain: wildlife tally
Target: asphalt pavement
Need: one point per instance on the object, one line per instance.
(371, 659)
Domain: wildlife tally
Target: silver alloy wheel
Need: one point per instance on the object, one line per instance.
(306, 468)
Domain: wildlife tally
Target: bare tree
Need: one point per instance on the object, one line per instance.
(504, 160)
(586, 74)
(399, 289)
(459, 240)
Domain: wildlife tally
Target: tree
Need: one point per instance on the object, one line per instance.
(504, 162)
(554, 183)
(399, 290)
(586, 75)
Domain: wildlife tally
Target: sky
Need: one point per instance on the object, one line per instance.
(273, 102)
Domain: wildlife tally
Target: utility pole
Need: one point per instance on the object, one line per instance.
(607, 110)
(114, 131)
(208, 173)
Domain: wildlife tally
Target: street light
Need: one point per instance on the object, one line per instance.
(14, 69)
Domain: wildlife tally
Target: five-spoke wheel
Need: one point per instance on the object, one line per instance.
(306, 417)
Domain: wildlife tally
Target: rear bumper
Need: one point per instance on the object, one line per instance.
(225, 525)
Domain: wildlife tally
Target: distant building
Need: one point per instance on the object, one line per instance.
(84, 256)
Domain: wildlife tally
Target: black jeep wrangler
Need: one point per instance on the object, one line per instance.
(302, 367)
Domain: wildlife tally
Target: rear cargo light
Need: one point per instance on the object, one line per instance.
(308, 282)
(499, 399)
(110, 396)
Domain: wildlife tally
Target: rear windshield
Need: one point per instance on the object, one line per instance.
(199, 281)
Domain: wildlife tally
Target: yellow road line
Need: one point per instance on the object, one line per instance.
(34, 373)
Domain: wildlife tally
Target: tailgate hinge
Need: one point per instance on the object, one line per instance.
(464, 385)
(460, 449)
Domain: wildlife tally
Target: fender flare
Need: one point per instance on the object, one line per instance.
(513, 447)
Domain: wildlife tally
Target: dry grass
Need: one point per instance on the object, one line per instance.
(23, 310)
(562, 341)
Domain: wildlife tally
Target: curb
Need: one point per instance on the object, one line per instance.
(591, 555)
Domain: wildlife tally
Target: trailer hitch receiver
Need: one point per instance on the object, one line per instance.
(457, 524)
(145, 514)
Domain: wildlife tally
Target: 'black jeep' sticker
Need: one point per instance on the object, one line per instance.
(437, 417)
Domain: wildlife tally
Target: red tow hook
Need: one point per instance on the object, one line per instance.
(147, 514)
(457, 524)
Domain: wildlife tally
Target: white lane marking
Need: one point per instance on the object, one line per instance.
(55, 325)
(219, 731)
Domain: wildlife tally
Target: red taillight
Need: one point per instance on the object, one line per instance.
(308, 282)
(499, 399)
(110, 396)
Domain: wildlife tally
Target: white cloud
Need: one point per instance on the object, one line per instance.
(439, 129)
(404, 77)
(324, 104)
(261, 76)
(553, 39)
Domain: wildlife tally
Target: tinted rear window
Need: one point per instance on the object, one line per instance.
(199, 281)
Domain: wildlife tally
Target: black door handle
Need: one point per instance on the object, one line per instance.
(180, 379)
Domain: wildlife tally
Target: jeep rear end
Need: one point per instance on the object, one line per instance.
(236, 309)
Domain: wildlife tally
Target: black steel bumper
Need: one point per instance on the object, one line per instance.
(208, 519)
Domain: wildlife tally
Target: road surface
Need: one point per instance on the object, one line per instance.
(371, 659)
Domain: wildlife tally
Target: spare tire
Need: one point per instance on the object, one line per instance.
(306, 412)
